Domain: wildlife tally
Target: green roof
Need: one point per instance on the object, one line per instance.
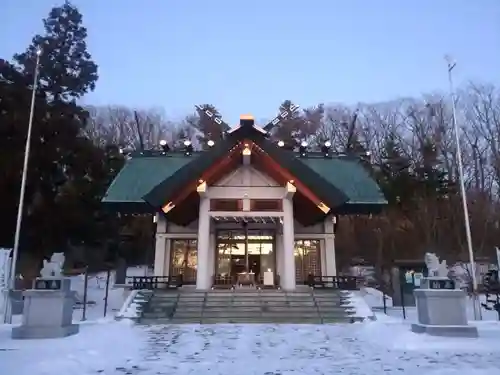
(140, 175)
(349, 176)
(153, 178)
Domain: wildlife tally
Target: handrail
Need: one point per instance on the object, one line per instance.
(334, 282)
(155, 282)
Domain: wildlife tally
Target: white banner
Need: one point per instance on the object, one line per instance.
(5, 262)
(498, 257)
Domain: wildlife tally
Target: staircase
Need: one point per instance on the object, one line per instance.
(247, 306)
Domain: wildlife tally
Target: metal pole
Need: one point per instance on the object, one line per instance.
(475, 299)
(108, 276)
(12, 278)
(85, 289)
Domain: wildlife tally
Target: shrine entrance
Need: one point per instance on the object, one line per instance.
(248, 253)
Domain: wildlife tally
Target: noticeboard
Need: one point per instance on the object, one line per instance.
(441, 284)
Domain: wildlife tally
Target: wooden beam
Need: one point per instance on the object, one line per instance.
(207, 176)
(273, 165)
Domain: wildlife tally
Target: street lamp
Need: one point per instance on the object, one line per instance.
(12, 274)
(475, 298)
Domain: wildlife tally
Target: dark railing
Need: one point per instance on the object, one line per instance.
(334, 282)
(155, 282)
(228, 282)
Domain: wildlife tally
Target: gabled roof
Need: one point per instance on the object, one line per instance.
(351, 177)
(342, 184)
(138, 177)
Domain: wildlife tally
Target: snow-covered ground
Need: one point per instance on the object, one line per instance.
(96, 291)
(384, 346)
(96, 294)
(375, 298)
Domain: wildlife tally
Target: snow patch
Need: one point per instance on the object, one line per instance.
(129, 308)
(357, 303)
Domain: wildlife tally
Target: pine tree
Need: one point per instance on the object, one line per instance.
(208, 128)
(290, 130)
(395, 177)
(67, 71)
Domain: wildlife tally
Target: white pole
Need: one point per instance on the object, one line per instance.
(12, 278)
(475, 299)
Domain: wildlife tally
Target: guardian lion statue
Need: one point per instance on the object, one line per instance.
(53, 268)
(435, 268)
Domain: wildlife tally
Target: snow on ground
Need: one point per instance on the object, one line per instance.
(96, 293)
(359, 305)
(386, 346)
(374, 298)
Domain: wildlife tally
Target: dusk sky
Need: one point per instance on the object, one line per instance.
(249, 56)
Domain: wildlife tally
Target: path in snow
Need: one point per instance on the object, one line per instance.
(285, 349)
(382, 347)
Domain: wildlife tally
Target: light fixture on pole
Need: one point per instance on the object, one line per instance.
(475, 299)
(15, 251)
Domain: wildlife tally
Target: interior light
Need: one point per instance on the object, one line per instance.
(164, 145)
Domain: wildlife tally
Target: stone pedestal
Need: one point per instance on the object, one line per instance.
(441, 311)
(48, 310)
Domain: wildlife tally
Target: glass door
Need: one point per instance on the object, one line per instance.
(307, 259)
(238, 252)
(184, 259)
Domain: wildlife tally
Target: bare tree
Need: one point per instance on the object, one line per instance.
(124, 126)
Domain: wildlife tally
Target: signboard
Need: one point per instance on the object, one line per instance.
(498, 257)
(47, 284)
(441, 284)
(417, 278)
(5, 263)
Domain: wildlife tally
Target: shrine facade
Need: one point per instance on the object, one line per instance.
(246, 210)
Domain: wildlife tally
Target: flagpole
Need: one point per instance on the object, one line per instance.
(12, 275)
(475, 297)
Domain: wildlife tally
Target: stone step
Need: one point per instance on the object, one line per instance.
(261, 320)
(329, 303)
(160, 308)
(188, 314)
(337, 320)
(184, 321)
(155, 315)
(233, 308)
(190, 303)
(285, 315)
(189, 309)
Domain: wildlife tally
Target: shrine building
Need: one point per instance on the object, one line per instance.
(246, 210)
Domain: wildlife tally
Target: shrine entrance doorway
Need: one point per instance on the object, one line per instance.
(245, 251)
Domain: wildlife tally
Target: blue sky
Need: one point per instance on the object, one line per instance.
(249, 56)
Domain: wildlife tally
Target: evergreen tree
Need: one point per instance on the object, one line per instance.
(433, 180)
(67, 70)
(290, 130)
(208, 128)
(67, 173)
(395, 177)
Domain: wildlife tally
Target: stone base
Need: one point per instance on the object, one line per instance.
(41, 332)
(446, 331)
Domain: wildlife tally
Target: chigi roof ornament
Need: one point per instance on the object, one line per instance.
(249, 120)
